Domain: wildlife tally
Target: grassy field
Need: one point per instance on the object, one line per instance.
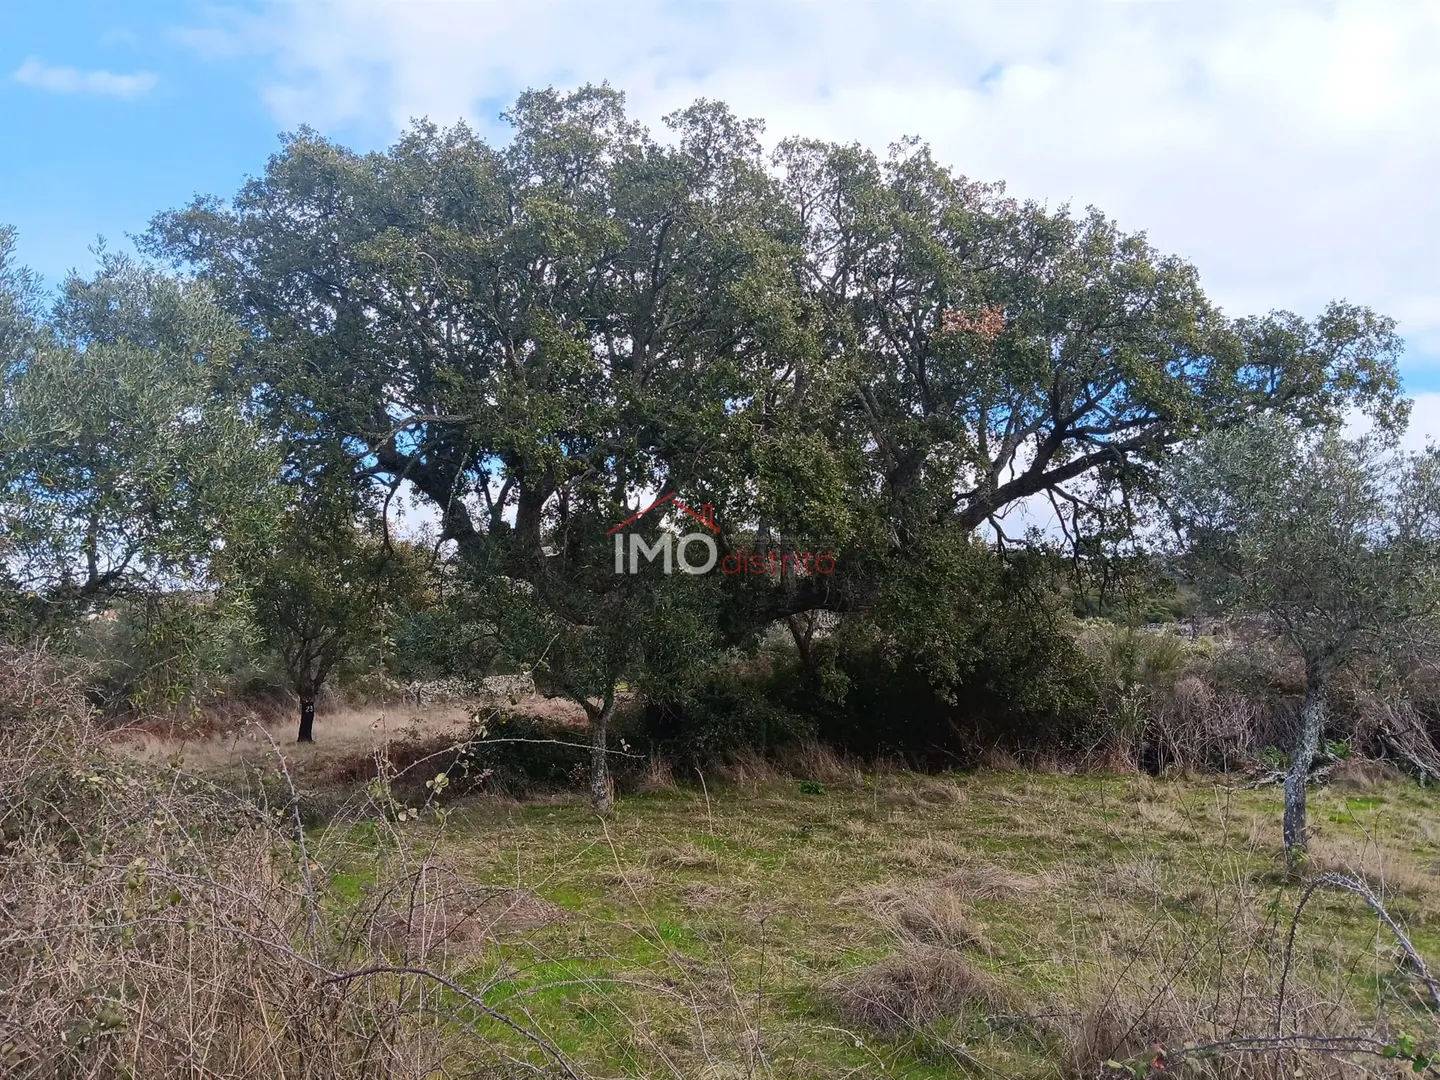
(896, 925)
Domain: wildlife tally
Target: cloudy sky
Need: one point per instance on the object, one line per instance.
(1290, 150)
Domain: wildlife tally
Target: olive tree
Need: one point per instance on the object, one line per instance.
(1332, 542)
(124, 460)
(588, 619)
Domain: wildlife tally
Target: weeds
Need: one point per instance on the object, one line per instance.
(158, 925)
(1033, 925)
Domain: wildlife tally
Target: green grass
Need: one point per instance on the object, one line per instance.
(708, 938)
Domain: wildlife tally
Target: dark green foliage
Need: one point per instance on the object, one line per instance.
(1128, 589)
(962, 651)
(839, 352)
(324, 587)
(168, 652)
(20, 613)
(517, 755)
(435, 641)
(731, 706)
(964, 648)
(124, 462)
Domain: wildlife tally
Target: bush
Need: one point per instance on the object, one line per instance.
(964, 651)
(169, 654)
(731, 707)
(516, 754)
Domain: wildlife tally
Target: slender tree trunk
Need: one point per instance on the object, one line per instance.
(601, 797)
(802, 637)
(1312, 725)
(307, 721)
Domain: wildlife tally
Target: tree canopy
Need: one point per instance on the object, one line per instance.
(1333, 543)
(124, 460)
(835, 349)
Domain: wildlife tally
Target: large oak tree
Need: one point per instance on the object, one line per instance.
(841, 352)
(826, 342)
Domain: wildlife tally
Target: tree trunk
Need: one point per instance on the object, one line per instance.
(802, 637)
(307, 722)
(1312, 725)
(601, 798)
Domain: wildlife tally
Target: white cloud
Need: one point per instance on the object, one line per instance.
(1287, 148)
(69, 80)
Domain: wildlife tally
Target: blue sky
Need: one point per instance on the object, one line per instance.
(85, 161)
(1288, 149)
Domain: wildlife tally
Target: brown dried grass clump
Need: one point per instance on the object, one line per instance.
(918, 985)
(1362, 774)
(463, 922)
(1221, 991)
(986, 881)
(816, 761)
(1130, 1022)
(1386, 872)
(705, 895)
(1123, 1024)
(1142, 879)
(930, 792)
(630, 878)
(658, 776)
(920, 914)
(747, 768)
(925, 853)
(684, 856)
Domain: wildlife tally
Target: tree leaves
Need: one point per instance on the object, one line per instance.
(835, 349)
(122, 458)
(1333, 541)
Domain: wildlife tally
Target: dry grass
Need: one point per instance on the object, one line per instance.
(1122, 1023)
(1042, 925)
(457, 919)
(1143, 879)
(816, 761)
(630, 878)
(157, 925)
(987, 881)
(747, 768)
(658, 776)
(705, 895)
(1145, 1010)
(1361, 774)
(857, 829)
(683, 857)
(927, 792)
(921, 914)
(344, 737)
(1388, 873)
(916, 986)
(926, 853)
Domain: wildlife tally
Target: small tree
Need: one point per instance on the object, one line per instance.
(585, 628)
(322, 591)
(1331, 541)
